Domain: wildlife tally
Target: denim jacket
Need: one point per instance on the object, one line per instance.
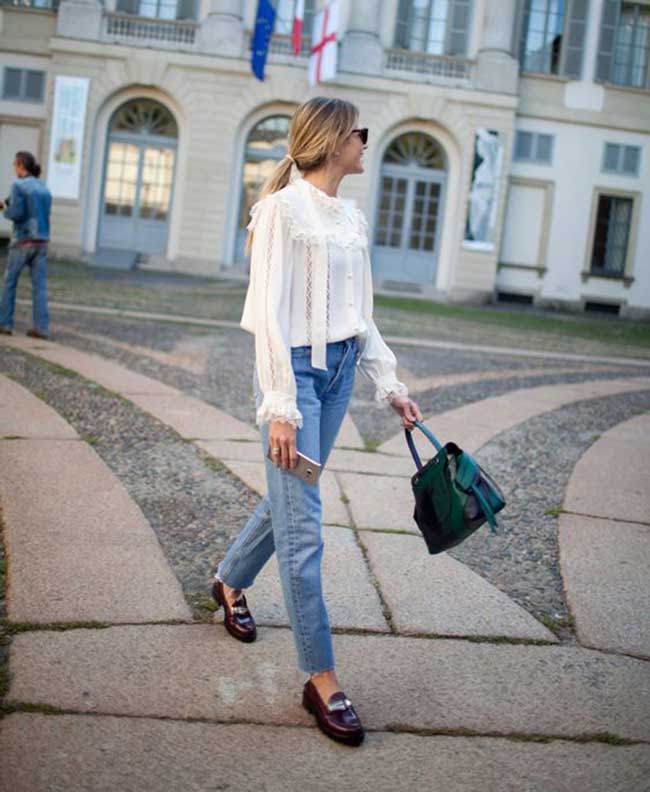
(29, 209)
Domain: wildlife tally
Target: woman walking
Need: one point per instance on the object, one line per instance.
(309, 305)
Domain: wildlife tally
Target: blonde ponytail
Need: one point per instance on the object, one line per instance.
(317, 128)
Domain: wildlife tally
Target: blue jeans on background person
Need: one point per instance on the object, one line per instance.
(34, 257)
(288, 519)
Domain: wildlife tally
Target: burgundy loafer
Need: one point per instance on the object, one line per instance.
(337, 719)
(237, 618)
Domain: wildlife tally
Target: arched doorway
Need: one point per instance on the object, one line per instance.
(266, 145)
(408, 227)
(138, 179)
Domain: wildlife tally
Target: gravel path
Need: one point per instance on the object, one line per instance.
(227, 357)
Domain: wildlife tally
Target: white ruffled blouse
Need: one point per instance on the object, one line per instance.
(310, 285)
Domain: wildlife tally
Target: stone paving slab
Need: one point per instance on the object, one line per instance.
(612, 478)
(24, 415)
(475, 424)
(76, 752)
(80, 548)
(442, 596)
(364, 462)
(352, 600)
(334, 510)
(605, 567)
(192, 418)
(398, 683)
(379, 502)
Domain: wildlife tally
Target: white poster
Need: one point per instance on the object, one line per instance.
(480, 231)
(66, 143)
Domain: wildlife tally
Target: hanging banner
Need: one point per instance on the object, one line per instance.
(67, 139)
(480, 230)
(324, 46)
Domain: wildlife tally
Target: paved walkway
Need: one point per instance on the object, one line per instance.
(457, 683)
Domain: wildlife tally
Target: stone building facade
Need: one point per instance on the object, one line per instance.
(528, 119)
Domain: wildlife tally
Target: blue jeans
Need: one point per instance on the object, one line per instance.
(34, 257)
(288, 518)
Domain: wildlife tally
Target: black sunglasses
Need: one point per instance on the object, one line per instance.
(363, 134)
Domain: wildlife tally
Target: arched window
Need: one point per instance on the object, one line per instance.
(138, 179)
(438, 27)
(407, 230)
(266, 145)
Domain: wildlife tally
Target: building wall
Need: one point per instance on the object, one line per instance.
(543, 236)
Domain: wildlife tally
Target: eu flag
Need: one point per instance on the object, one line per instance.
(262, 37)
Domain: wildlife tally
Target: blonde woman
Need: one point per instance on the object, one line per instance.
(309, 305)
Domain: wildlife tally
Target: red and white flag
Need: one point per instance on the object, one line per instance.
(324, 46)
(298, 16)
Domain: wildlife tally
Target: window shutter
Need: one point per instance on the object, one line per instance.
(34, 84)
(524, 146)
(608, 25)
(458, 27)
(631, 156)
(128, 6)
(186, 9)
(402, 24)
(575, 38)
(517, 31)
(544, 151)
(612, 156)
(12, 82)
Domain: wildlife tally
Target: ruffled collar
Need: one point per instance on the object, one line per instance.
(328, 202)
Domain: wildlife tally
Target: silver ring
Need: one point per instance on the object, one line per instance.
(276, 450)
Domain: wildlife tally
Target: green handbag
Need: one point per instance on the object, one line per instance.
(453, 495)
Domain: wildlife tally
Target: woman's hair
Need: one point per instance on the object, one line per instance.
(28, 161)
(317, 128)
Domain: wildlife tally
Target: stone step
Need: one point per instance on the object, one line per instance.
(397, 683)
(441, 596)
(474, 425)
(24, 415)
(79, 547)
(75, 752)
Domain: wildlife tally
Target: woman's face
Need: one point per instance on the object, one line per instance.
(350, 157)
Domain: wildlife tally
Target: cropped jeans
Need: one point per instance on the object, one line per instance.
(288, 518)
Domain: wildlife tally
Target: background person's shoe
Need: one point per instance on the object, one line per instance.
(337, 719)
(6, 331)
(237, 618)
(36, 334)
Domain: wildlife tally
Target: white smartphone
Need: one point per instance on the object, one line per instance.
(307, 469)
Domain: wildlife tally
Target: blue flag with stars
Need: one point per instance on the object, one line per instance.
(262, 37)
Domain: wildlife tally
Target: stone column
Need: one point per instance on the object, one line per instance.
(497, 69)
(362, 50)
(80, 19)
(222, 30)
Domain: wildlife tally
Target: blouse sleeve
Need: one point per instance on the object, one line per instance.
(377, 361)
(271, 271)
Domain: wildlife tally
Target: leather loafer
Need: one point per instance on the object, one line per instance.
(237, 618)
(337, 719)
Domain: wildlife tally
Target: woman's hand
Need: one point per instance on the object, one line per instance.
(282, 436)
(407, 409)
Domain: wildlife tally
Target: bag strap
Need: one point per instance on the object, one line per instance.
(485, 506)
(411, 444)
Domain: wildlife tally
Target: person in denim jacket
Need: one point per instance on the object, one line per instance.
(28, 208)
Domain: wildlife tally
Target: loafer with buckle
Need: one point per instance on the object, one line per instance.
(337, 718)
(237, 618)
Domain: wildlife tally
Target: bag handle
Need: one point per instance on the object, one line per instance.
(485, 506)
(411, 444)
